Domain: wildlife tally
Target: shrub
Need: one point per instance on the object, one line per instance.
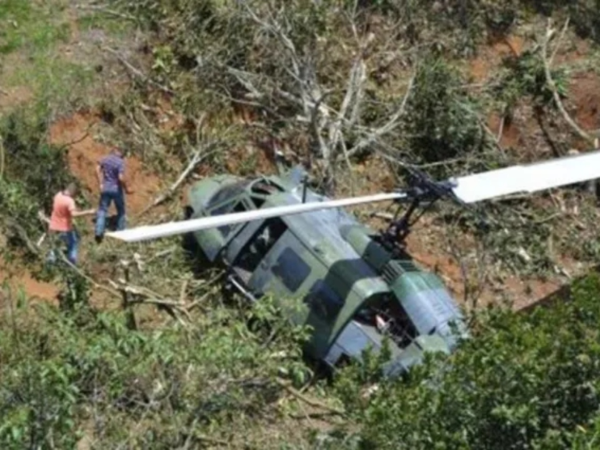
(441, 123)
(524, 381)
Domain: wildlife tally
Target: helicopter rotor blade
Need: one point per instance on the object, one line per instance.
(528, 178)
(186, 226)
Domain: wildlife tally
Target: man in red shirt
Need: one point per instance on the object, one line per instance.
(61, 220)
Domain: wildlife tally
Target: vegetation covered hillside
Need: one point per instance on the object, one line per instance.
(138, 347)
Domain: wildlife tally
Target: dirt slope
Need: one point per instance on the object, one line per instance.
(84, 151)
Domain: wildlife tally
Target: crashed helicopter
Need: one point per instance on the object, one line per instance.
(358, 287)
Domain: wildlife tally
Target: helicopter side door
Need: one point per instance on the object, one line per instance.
(274, 261)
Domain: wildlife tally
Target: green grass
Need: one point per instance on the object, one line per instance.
(36, 26)
(112, 25)
(53, 79)
(33, 37)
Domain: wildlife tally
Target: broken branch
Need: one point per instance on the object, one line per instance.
(196, 159)
(388, 127)
(309, 401)
(552, 85)
(106, 11)
(138, 73)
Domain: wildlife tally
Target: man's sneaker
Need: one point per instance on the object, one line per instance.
(99, 239)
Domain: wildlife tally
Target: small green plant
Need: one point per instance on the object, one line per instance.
(63, 370)
(525, 76)
(441, 123)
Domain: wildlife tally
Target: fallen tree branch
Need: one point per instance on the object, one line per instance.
(22, 235)
(198, 302)
(138, 73)
(78, 140)
(183, 291)
(196, 159)
(309, 401)
(2, 158)
(162, 253)
(552, 85)
(388, 127)
(94, 283)
(110, 12)
(147, 296)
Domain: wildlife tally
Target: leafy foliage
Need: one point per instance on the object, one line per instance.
(21, 24)
(39, 168)
(525, 76)
(521, 381)
(162, 388)
(440, 122)
(584, 14)
(524, 382)
(33, 170)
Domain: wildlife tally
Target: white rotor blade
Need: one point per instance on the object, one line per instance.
(528, 178)
(187, 226)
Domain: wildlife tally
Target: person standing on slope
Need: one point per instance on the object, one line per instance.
(61, 221)
(110, 172)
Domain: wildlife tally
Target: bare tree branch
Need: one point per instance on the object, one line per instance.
(552, 85)
(391, 124)
(138, 73)
(199, 156)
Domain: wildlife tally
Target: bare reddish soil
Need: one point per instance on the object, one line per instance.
(584, 95)
(84, 152)
(490, 57)
(19, 278)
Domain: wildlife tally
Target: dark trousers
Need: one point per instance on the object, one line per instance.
(106, 198)
(70, 239)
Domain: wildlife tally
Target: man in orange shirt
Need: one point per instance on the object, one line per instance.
(61, 220)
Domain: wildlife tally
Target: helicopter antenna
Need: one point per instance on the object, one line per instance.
(304, 187)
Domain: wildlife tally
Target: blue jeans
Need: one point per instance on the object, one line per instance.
(71, 240)
(106, 198)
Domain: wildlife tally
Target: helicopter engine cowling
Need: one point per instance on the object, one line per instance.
(429, 305)
(425, 299)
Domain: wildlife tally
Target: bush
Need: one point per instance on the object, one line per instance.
(33, 171)
(524, 381)
(65, 375)
(441, 123)
(40, 169)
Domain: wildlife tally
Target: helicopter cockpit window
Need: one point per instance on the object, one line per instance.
(227, 192)
(291, 269)
(261, 243)
(385, 314)
(227, 208)
(261, 190)
(324, 301)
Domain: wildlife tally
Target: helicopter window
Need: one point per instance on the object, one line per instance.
(291, 269)
(324, 301)
(265, 188)
(261, 243)
(261, 190)
(225, 209)
(227, 192)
